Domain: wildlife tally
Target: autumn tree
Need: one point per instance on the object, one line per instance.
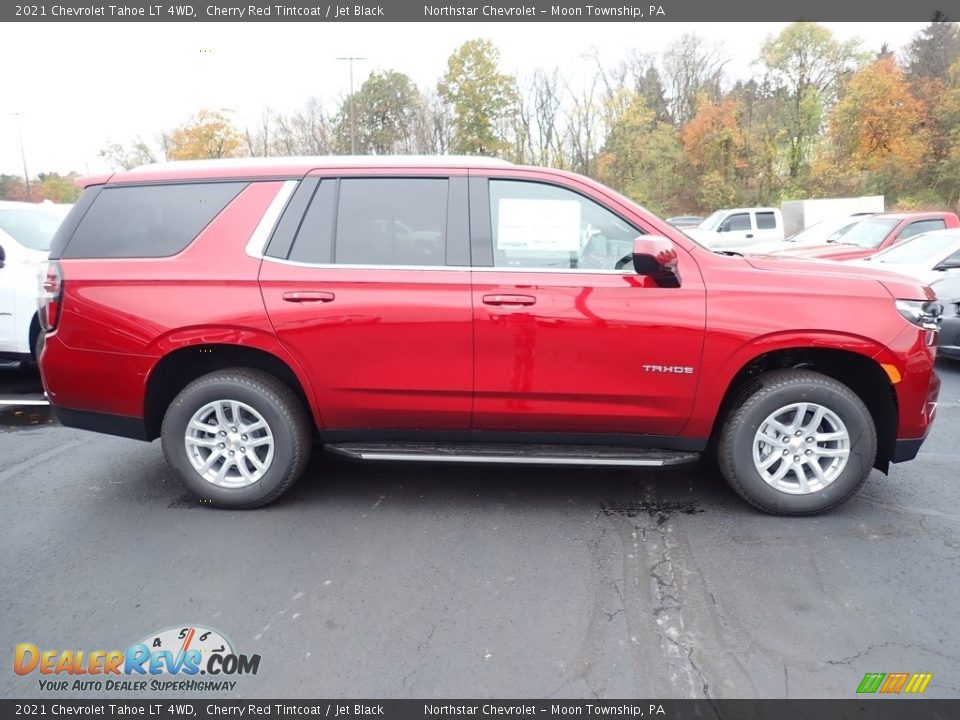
(208, 134)
(13, 187)
(714, 145)
(58, 188)
(480, 98)
(808, 62)
(878, 126)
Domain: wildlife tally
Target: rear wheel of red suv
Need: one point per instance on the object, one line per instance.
(798, 443)
(237, 438)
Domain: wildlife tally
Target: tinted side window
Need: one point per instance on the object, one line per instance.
(314, 240)
(921, 226)
(536, 225)
(766, 221)
(148, 220)
(740, 221)
(391, 221)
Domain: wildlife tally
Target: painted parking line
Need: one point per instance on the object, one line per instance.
(15, 401)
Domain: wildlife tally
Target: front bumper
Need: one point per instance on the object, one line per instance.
(904, 450)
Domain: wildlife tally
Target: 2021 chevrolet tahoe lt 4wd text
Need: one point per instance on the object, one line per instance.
(467, 310)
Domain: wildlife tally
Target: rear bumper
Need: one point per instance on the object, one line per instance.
(106, 423)
(91, 381)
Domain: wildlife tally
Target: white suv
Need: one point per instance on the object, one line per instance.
(25, 233)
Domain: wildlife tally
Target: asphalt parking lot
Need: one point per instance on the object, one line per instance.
(401, 580)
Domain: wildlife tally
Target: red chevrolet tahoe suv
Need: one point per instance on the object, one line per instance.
(466, 310)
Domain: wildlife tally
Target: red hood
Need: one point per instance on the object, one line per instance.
(827, 251)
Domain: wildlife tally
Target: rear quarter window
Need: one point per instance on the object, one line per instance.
(148, 220)
(766, 221)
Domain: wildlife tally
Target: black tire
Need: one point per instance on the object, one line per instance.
(778, 389)
(36, 344)
(274, 401)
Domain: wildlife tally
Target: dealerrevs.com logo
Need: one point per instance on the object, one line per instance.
(169, 660)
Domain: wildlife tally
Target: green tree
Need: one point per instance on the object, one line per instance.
(641, 156)
(650, 87)
(482, 99)
(808, 63)
(386, 109)
(934, 49)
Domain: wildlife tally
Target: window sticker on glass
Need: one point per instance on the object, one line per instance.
(538, 225)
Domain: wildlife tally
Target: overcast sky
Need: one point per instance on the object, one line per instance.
(83, 85)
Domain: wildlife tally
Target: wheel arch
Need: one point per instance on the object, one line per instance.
(860, 372)
(176, 369)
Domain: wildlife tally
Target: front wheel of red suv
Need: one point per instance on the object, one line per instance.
(798, 443)
(236, 438)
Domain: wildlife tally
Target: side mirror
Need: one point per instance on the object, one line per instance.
(948, 264)
(3, 257)
(655, 256)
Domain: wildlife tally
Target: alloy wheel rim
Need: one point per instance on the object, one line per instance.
(801, 448)
(229, 444)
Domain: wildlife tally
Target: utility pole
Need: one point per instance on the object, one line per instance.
(23, 153)
(353, 120)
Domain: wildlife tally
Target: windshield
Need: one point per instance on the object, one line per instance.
(32, 228)
(868, 233)
(920, 250)
(824, 231)
(712, 221)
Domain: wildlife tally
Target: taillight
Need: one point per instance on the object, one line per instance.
(51, 294)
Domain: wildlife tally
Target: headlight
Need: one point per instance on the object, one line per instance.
(922, 313)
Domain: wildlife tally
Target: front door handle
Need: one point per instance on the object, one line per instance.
(749, 235)
(308, 296)
(509, 300)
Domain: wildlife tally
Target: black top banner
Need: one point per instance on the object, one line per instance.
(490, 11)
(204, 709)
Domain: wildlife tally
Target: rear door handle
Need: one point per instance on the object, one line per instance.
(509, 300)
(308, 296)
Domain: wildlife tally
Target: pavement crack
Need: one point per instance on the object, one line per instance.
(870, 648)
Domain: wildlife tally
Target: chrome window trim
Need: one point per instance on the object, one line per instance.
(457, 268)
(258, 238)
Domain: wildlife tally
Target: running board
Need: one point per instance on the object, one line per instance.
(513, 454)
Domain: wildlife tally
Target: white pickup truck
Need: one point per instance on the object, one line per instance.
(738, 228)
